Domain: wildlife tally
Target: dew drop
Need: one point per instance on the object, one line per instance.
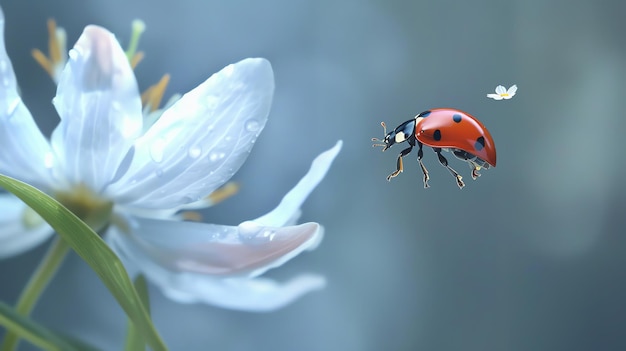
(158, 172)
(221, 233)
(3, 65)
(228, 138)
(156, 150)
(194, 151)
(252, 125)
(6, 81)
(253, 233)
(248, 230)
(73, 54)
(215, 156)
(268, 234)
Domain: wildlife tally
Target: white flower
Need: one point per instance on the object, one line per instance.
(503, 93)
(100, 163)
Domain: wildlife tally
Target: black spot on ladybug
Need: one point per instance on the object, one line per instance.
(424, 114)
(479, 144)
(437, 135)
(456, 117)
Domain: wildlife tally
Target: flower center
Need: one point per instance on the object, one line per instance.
(87, 205)
(504, 94)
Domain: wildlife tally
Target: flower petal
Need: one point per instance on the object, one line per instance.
(256, 295)
(100, 109)
(25, 153)
(248, 249)
(213, 264)
(495, 96)
(16, 236)
(500, 89)
(290, 204)
(512, 90)
(201, 141)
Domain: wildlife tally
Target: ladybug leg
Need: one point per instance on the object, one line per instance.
(475, 168)
(444, 163)
(399, 166)
(420, 155)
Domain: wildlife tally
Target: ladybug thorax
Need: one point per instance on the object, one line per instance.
(402, 133)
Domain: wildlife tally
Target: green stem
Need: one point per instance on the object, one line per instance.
(134, 339)
(36, 285)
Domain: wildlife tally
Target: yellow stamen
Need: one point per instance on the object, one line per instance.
(56, 58)
(134, 61)
(43, 61)
(224, 192)
(152, 97)
(53, 43)
(191, 216)
(504, 94)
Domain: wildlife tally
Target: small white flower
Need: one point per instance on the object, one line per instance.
(503, 93)
(101, 162)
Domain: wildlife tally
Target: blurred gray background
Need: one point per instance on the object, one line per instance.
(529, 257)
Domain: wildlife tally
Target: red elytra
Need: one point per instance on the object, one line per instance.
(452, 128)
(443, 129)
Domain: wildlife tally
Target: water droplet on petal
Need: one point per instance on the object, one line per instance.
(159, 172)
(252, 125)
(248, 230)
(3, 65)
(228, 138)
(215, 156)
(268, 234)
(194, 151)
(251, 232)
(156, 150)
(222, 233)
(73, 54)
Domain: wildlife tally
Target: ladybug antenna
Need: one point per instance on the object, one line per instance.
(378, 141)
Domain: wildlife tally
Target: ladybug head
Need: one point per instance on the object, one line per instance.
(402, 133)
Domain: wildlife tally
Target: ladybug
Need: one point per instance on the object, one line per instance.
(444, 129)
